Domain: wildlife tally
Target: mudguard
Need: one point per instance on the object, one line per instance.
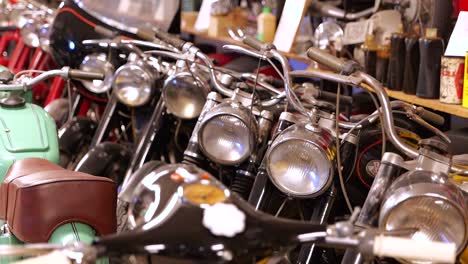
(26, 131)
(71, 232)
(108, 159)
(73, 136)
(59, 110)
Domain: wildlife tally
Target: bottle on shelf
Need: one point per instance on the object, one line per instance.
(266, 25)
(381, 71)
(410, 76)
(370, 55)
(396, 64)
(431, 49)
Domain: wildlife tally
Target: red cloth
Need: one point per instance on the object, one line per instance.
(463, 5)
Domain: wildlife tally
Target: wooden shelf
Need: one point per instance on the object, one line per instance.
(229, 40)
(434, 104)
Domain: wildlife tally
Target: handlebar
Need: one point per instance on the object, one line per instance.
(85, 75)
(331, 97)
(368, 245)
(65, 73)
(430, 116)
(329, 10)
(397, 247)
(149, 35)
(371, 84)
(105, 32)
(257, 44)
(334, 63)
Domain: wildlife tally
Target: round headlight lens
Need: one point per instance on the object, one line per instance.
(184, 96)
(133, 85)
(428, 203)
(226, 139)
(434, 219)
(299, 168)
(44, 37)
(98, 63)
(30, 34)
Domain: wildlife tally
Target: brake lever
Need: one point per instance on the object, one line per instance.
(425, 124)
(236, 34)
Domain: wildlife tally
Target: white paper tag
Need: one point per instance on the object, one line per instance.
(288, 26)
(355, 32)
(203, 19)
(458, 43)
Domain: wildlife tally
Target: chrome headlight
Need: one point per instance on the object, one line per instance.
(428, 203)
(30, 34)
(228, 133)
(300, 161)
(44, 37)
(185, 96)
(133, 84)
(98, 63)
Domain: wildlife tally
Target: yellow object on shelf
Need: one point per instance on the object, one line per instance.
(220, 24)
(266, 25)
(465, 83)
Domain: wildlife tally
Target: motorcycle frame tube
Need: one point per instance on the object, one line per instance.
(320, 215)
(18, 58)
(146, 140)
(368, 215)
(262, 183)
(5, 40)
(56, 90)
(104, 122)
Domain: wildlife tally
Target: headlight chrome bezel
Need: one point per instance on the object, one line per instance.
(202, 90)
(146, 74)
(242, 113)
(98, 62)
(411, 186)
(321, 139)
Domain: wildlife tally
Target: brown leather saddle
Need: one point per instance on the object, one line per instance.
(37, 196)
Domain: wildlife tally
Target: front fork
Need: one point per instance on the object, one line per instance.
(370, 210)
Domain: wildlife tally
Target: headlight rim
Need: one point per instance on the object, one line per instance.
(422, 190)
(198, 78)
(238, 111)
(299, 132)
(149, 76)
(109, 78)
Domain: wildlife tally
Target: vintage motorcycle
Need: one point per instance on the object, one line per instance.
(31, 146)
(223, 228)
(438, 207)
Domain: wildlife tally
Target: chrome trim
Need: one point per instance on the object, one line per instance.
(431, 188)
(322, 139)
(232, 109)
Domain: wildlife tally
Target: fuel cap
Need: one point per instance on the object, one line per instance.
(6, 76)
(12, 101)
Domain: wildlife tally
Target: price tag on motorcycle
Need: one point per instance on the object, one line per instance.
(355, 32)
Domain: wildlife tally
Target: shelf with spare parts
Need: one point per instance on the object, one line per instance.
(228, 40)
(434, 104)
